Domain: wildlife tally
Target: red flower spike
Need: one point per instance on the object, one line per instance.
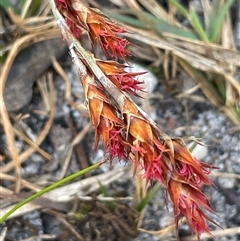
(127, 131)
(65, 8)
(112, 45)
(104, 129)
(122, 79)
(174, 166)
(188, 168)
(187, 201)
(77, 32)
(99, 27)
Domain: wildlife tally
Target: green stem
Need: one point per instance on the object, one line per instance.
(50, 188)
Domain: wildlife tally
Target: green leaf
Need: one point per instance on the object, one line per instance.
(5, 4)
(220, 85)
(33, 8)
(164, 26)
(217, 17)
(158, 24)
(198, 27)
(193, 19)
(125, 19)
(153, 191)
(111, 204)
(180, 7)
(36, 4)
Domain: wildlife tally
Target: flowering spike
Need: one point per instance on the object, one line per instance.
(187, 202)
(127, 131)
(122, 79)
(98, 26)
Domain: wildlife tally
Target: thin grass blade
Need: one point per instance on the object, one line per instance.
(193, 19)
(217, 17)
(104, 191)
(157, 24)
(153, 191)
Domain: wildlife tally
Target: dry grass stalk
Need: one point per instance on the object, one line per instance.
(3, 234)
(127, 131)
(68, 92)
(73, 143)
(141, 192)
(70, 191)
(24, 183)
(67, 225)
(42, 237)
(8, 128)
(27, 153)
(217, 233)
(32, 144)
(38, 29)
(160, 233)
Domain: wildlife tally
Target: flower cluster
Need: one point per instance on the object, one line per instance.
(167, 161)
(128, 132)
(98, 26)
(122, 79)
(189, 200)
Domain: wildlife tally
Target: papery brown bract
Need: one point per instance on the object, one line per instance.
(122, 79)
(65, 8)
(189, 202)
(189, 168)
(102, 114)
(98, 26)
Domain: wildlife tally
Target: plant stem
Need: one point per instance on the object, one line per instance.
(50, 188)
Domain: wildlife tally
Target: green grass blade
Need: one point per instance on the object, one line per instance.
(148, 197)
(50, 188)
(33, 7)
(220, 85)
(193, 19)
(111, 204)
(180, 8)
(217, 18)
(3, 55)
(5, 4)
(158, 24)
(164, 26)
(198, 27)
(128, 20)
